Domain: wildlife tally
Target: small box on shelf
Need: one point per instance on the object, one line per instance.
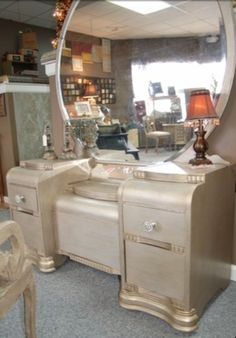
(15, 57)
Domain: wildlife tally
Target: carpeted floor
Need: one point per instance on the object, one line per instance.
(80, 302)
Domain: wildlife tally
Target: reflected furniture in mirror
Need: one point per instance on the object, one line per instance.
(159, 226)
(179, 134)
(16, 275)
(113, 137)
(153, 130)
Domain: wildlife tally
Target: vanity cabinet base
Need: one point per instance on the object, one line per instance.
(177, 242)
(185, 321)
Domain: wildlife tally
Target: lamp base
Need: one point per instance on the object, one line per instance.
(200, 146)
(200, 161)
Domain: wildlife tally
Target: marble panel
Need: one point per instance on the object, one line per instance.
(32, 112)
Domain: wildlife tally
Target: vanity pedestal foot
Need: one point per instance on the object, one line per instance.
(49, 264)
(162, 307)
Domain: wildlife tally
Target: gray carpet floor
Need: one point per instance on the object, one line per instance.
(80, 302)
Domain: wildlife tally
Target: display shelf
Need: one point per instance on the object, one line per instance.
(19, 68)
(73, 88)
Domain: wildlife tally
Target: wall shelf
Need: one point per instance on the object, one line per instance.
(73, 88)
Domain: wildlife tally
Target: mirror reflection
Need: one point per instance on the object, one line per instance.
(132, 73)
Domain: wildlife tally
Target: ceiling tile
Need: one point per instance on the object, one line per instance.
(98, 8)
(175, 31)
(118, 22)
(119, 15)
(190, 6)
(31, 8)
(158, 27)
(204, 28)
(47, 16)
(41, 23)
(5, 4)
(19, 17)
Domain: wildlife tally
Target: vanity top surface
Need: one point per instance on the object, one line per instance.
(176, 172)
(106, 190)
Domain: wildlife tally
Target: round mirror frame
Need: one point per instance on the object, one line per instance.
(226, 9)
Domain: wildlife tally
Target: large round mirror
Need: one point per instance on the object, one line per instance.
(131, 69)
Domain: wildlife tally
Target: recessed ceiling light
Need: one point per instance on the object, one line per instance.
(142, 7)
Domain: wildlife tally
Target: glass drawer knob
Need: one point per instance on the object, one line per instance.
(19, 198)
(149, 226)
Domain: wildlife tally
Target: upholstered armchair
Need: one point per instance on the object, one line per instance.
(16, 276)
(114, 137)
(151, 132)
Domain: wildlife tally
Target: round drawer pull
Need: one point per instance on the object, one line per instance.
(19, 198)
(149, 226)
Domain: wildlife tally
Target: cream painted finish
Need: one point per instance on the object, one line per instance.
(166, 224)
(24, 197)
(88, 228)
(38, 183)
(33, 234)
(182, 262)
(164, 276)
(168, 235)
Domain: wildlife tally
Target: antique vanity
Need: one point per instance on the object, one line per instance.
(166, 228)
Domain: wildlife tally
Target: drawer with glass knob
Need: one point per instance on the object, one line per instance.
(22, 197)
(154, 224)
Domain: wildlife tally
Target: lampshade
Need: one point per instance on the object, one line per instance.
(90, 90)
(200, 106)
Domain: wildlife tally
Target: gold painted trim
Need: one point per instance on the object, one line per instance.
(91, 264)
(163, 245)
(46, 264)
(177, 249)
(143, 173)
(164, 308)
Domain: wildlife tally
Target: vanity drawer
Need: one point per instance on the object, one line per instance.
(23, 197)
(32, 230)
(154, 224)
(155, 269)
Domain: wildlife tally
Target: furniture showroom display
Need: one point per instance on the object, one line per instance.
(165, 228)
(160, 227)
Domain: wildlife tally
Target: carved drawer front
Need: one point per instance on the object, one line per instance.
(32, 231)
(155, 224)
(23, 197)
(157, 270)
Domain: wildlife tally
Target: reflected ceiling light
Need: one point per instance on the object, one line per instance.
(142, 7)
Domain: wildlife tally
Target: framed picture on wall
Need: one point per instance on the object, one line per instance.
(83, 109)
(3, 111)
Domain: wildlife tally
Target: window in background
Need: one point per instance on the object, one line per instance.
(182, 76)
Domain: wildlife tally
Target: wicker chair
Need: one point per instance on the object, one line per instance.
(16, 276)
(151, 132)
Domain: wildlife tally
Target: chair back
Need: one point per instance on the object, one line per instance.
(148, 124)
